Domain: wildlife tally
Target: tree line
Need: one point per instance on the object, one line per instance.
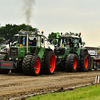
(9, 30)
(52, 36)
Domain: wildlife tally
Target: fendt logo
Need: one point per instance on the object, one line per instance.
(6, 63)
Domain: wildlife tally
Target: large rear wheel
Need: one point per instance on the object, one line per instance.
(50, 62)
(71, 63)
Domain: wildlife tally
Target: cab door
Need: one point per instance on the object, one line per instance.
(42, 47)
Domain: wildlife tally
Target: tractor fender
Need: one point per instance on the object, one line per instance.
(73, 53)
(82, 50)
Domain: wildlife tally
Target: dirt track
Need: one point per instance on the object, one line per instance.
(14, 85)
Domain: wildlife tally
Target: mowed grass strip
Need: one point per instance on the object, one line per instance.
(84, 93)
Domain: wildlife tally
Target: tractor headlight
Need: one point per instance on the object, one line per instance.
(9, 58)
(19, 59)
(16, 58)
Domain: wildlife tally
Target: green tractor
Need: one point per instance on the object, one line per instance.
(30, 54)
(70, 54)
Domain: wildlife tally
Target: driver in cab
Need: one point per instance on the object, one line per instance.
(33, 42)
(70, 43)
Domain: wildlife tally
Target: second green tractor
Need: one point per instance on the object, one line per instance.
(70, 54)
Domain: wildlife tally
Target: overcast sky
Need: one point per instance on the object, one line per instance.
(57, 16)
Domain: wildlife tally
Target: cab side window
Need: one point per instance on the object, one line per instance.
(42, 41)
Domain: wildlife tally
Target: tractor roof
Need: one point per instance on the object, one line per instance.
(30, 33)
(69, 36)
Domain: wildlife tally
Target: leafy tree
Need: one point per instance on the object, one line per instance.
(51, 36)
(9, 30)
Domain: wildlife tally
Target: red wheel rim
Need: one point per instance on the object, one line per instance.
(52, 63)
(75, 63)
(86, 61)
(37, 66)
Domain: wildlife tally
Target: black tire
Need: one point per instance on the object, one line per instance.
(43, 63)
(84, 61)
(50, 62)
(26, 69)
(71, 63)
(3, 57)
(35, 65)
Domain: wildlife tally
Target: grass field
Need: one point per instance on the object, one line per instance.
(84, 93)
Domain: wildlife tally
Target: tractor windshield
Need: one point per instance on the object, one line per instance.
(66, 42)
(32, 40)
(63, 42)
(22, 41)
(76, 42)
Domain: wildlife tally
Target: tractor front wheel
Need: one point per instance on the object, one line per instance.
(84, 64)
(35, 65)
(71, 63)
(26, 69)
(50, 62)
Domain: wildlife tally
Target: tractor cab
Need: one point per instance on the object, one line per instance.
(26, 42)
(29, 53)
(30, 38)
(67, 43)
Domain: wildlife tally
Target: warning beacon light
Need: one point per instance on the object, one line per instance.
(42, 32)
(79, 34)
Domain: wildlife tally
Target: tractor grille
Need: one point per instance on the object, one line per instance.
(14, 52)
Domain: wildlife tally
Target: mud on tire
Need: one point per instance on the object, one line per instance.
(71, 63)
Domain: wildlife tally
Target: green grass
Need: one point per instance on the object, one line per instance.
(83, 93)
